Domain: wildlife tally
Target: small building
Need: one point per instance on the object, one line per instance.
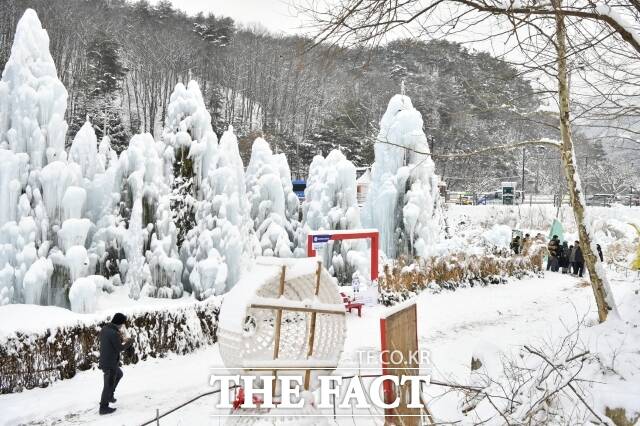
(299, 185)
(508, 193)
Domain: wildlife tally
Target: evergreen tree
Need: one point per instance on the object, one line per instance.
(102, 91)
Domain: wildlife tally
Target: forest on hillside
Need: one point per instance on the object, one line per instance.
(120, 60)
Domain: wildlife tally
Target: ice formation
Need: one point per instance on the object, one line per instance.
(273, 203)
(149, 242)
(402, 198)
(176, 214)
(84, 150)
(222, 241)
(191, 152)
(34, 100)
(331, 204)
(188, 129)
(84, 293)
(36, 279)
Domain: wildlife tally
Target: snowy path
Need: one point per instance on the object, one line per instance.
(451, 326)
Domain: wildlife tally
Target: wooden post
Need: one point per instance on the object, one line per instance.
(312, 329)
(278, 325)
(399, 333)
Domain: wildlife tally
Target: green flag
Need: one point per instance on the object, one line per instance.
(557, 229)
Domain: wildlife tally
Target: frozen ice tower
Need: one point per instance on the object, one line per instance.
(402, 200)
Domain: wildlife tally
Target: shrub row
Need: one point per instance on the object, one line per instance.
(403, 280)
(38, 359)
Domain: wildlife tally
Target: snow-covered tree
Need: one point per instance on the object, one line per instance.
(274, 206)
(403, 194)
(222, 241)
(331, 204)
(192, 151)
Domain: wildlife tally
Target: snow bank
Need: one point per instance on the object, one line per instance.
(83, 295)
(52, 343)
(498, 236)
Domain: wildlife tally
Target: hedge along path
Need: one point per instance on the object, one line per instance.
(29, 360)
(457, 270)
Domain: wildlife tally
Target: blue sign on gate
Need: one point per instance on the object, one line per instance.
(319, 239)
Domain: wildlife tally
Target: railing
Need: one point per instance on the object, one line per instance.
(628, 272)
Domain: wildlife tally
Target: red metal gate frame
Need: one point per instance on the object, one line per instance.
(372, 234)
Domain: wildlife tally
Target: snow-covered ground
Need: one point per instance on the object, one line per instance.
(452, 325)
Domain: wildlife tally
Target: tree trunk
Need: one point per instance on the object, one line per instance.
(601, 289)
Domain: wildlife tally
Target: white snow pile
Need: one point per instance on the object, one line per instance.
(578, 374)
(403, 196)
(84, 292)
(331, 204)
(273, 205)
(498, 236)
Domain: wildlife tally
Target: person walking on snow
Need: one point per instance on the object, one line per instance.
(111, 344)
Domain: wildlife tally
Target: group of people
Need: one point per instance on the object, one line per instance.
(562, 257)
(568, 258)
(520, 245)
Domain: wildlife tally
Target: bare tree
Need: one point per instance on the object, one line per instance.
(552, 38)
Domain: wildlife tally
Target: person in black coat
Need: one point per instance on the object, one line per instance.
(600, 255)
(563, 258)
(111, 344)
(579, 260)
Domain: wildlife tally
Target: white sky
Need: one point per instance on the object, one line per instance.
(275, 15)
